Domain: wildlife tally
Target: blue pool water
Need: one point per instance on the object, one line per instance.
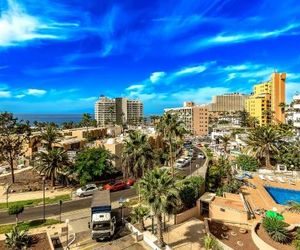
(283, 196)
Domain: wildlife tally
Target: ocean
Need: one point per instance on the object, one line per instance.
(56, 118)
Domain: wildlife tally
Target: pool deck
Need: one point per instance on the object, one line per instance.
(259, 198)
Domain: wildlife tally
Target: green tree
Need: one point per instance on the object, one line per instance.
(92, 164)
(210, 243)
(247, 162)
(225, 141)
(159, 192)
(296, 241)
(190, 190)
(289, 155)
(262, 142)
(13, 135)
(17, 240)
(16, 209)
(51, 163)
(172, 129)
(49, 134)
(139, 214)
(137, 155)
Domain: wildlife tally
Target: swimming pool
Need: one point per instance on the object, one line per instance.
(283, 196)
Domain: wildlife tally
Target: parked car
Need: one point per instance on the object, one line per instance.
(115, 186)
(130, 182)
(201, 156)
(87, 190)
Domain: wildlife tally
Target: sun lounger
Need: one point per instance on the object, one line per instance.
(281, 179)
(270, 178)
(292, 182)
(262, 177)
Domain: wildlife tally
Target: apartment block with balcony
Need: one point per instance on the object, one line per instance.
(118, 110)
(296, 113)
(194, 117)
(265, 104)
(230, 103)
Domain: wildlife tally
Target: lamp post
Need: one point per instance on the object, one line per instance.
(121, 203)
(60, 205)
(67, 224)
(7, 190)
(44, 207)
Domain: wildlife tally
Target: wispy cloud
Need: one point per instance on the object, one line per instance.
(5, 94)
(156, 76)
(36, 92)
(20, 96)
(18, 27)
(136, 87)
(241, 37)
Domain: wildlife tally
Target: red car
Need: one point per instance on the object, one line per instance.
(115, 186)
(130, 182)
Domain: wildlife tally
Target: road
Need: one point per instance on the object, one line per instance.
(33, 213)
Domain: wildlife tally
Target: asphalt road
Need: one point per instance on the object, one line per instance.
(33, 213)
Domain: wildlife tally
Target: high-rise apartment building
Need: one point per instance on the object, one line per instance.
(119, 110)
(266, 103)
(194, 117)
(231, 103)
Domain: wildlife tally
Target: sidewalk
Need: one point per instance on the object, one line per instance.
(31, 195)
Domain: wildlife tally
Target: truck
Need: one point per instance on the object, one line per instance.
(103, 222)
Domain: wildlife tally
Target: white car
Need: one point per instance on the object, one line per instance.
(201, 156)
(87, 190)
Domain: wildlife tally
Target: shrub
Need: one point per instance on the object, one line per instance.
(210, 243)
(16, 209)
(296, 241)
(189, 191)
(276, 229)
(247, 163)
(17, 239)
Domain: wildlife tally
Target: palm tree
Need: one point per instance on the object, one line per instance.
(159, 192)
(294, 206)
(51, 162)
(171, 129)
(225, 141)
(50, 135)
(139, 214)
(262, 142)
(137, 155)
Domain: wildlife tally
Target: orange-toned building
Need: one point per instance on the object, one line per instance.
(266, 103)
(194, 117)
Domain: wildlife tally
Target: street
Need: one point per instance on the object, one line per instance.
(33, 213)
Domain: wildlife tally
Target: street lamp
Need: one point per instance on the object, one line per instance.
(67, 224)
(44, 207)
(121, 203)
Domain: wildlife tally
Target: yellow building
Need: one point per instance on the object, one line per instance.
(265, 103)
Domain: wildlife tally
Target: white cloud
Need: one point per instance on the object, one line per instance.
(5, 94)
(88, 99)
(18, 27)
(36, 92)
(223, 38)
(291, 88)
(136, 87)
(199, 95)
(20, 96)
(191, 70)
(156, 76)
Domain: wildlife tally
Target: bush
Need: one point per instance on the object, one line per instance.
(189, 191)
(276, 229)
(247, 163)
(17, 239)
(232, 187)
(16, 209)
(296, 241)
(210, 243)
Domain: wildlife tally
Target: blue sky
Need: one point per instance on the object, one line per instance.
(59, 56)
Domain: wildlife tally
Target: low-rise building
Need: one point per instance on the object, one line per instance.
(296, 113)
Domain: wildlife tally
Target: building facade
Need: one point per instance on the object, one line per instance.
(267, 102)
(296, 113)
(119, 110)
(194, 117)
(230, 103)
